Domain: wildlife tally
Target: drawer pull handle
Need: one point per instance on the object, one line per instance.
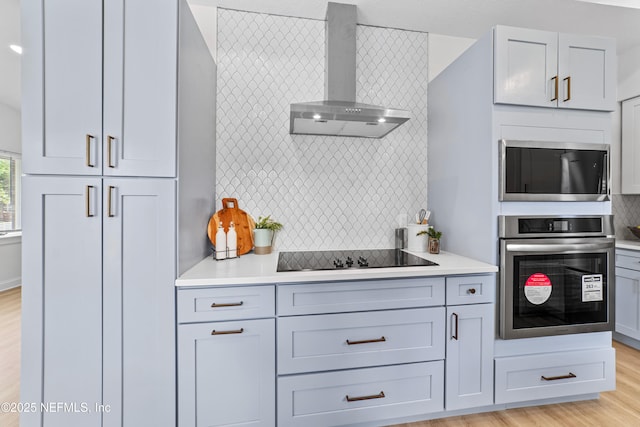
(229, 304)
(373, 396)
(471, 291)
(381, 339)
(235, 331)
(560, 377)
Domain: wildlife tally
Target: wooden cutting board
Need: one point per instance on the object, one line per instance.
(243, 222)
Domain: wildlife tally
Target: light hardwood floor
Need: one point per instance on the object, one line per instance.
(9, 353)
(619, 408)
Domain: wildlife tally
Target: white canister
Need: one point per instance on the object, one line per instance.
(417, 243)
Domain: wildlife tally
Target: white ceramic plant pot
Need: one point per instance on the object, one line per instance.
(417, 243)
(262, 241)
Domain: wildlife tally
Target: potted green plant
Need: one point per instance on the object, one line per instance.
(264, 234)
(434, 239)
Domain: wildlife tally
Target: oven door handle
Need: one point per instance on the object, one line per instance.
(559, 247)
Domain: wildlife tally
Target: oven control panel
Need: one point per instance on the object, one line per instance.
(560, 225)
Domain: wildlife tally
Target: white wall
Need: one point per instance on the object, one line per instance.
(10, 261)
(10, 246)
(10, 139)
(443, 50)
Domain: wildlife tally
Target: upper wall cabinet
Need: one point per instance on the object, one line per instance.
(556, 70)
(630, 168)
(101, 66)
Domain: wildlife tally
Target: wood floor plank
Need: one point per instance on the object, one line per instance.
(10, 353)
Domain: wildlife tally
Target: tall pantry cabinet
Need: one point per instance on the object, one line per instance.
(119, 156)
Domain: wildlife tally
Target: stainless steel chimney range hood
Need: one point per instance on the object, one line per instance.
(339, 114)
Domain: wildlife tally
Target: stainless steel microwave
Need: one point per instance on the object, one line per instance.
(553, 171)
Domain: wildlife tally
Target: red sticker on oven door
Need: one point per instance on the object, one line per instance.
(537, 288)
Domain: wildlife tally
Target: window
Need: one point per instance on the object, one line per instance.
(10, 171)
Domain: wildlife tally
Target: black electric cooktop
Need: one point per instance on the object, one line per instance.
(348, 259)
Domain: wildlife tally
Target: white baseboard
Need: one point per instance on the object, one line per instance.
(11, 283)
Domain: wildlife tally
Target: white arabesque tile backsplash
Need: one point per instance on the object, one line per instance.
(329, 192)
(626, 213)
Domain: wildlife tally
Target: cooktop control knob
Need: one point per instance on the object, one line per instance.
(349, 261)
(338, 263)
(362, 262)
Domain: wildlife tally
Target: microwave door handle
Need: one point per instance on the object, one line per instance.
(558, 248)
(604, 180)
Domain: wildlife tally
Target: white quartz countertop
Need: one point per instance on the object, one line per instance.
(255, 269)
(634, 245)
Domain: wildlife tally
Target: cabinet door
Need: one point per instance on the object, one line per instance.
(62, 300)
(140, 87)
(525, 66)
(587, 72)
(139, 305)
(469, 363)
(62, 107)
(628, 302)
(227, 374)
(630, 181)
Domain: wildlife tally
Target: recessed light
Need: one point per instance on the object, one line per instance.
(16, 48)
(382, 120)
(317, 117)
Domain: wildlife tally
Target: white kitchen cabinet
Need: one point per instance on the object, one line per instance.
(96, 302)
(628, 302)
(114, 327)
(355, 340)
(469, 343)
(627, 308)
(139, 251)
(630, 168)
(550, 375)
(355, 396)
(72, 123)
(547, 69)
(62, 299)
(227, 373)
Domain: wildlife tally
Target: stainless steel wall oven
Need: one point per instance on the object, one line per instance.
(556, 275)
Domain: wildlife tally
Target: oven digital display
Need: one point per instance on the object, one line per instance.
(559, 225)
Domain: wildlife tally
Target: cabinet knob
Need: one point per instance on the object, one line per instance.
(471, 291)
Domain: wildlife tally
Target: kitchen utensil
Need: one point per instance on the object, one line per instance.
(244, 224)
(401, 238)
(421, 215)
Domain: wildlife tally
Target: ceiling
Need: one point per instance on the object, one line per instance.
(459, 18)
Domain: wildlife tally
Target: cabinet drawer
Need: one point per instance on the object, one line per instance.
(350, 340)
(212, 304)
(628, 261)
(336, 297)
(471, 289)
(360, 395)
(568, 373)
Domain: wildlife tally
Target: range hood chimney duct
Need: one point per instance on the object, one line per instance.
(339, 114)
